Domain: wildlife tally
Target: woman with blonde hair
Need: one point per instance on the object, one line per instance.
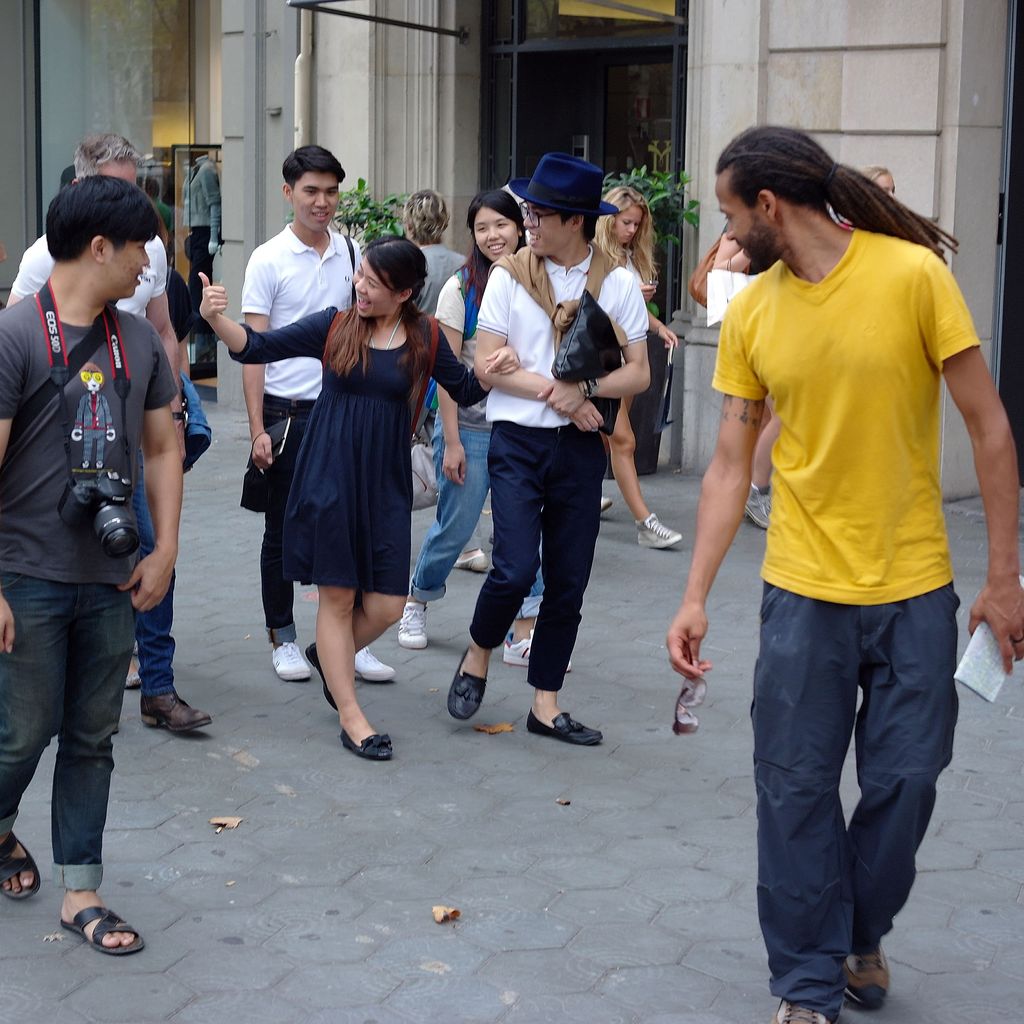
(627, 238)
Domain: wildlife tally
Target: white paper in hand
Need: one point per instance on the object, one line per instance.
(981, 667)
(723, 286)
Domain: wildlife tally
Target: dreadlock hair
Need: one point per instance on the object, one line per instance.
(791, 164)
(478, 266)
(400, 265)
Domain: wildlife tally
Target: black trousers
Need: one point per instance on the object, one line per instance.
(545, 486)
(825, 889)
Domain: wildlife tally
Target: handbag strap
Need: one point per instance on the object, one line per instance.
(434, 340)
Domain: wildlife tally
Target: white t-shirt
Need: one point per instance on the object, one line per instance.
(37, 265)
(287, 280)
(509, 311)
(451, 312)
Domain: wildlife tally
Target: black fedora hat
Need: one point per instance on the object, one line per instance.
(564, 183)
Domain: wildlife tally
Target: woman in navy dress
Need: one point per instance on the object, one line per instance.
(347, 525)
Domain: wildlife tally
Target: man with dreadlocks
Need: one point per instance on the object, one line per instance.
(852, 334)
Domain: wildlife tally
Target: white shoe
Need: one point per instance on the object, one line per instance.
(518, 654)
(758, 508)
(371, 668)
(289, 664)
(412, 630)
(652, 533)
(606, 503)
(473, 561)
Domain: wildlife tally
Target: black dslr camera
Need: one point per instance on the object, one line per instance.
(106, 499)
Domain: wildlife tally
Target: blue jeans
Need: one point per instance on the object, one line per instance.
(458, 509)
(153, 628)
(64, 678)
(825, 888)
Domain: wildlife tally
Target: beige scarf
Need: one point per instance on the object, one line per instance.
(529, 271)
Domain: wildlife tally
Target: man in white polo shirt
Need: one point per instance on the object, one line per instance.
(546, 460)
(301, 270)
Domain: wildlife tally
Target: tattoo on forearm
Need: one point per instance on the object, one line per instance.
(746, 411)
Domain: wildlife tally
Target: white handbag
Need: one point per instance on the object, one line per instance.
(424, 480)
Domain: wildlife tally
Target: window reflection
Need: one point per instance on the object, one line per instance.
(552, 19)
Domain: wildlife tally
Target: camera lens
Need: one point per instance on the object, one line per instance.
(115, 529)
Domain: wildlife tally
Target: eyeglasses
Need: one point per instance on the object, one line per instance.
(531, 216)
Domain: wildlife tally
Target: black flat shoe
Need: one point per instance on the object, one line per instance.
(312, 658)
(565, 729)
(465, 693)
(376, 747)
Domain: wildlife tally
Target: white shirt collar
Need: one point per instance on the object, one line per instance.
(297, 245)
(583, 267)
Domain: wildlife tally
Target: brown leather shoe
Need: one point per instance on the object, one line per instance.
(170, 711)
(867, 978)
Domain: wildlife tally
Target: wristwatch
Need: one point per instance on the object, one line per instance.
(589, 388)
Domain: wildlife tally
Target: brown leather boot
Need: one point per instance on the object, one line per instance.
(170, 711)
(867, 978)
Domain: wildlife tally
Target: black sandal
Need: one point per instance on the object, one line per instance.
(376, 747)
(108, 922)
(11, 865)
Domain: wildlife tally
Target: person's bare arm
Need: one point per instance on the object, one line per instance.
(521, 383)
(730, 256)
(152, 575)
(254, 378)
(1001, 601)
(722, 496)
(159, 315)
(454, 463)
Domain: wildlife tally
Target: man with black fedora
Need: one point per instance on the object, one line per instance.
(546, 460)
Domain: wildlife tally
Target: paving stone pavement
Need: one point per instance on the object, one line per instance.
(604, 885)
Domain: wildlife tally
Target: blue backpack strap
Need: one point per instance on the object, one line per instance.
(471, 302)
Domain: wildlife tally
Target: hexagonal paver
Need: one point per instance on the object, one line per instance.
(516, 929)
(585, 872)
(234, 967)
(595, 906)
(257, 1007)
(537, 972)
(160, 994)
(735, 961)
(441, 952)
(666, 986)
(571, 1008)
(430, 999)
(333, 985)
(615, 946)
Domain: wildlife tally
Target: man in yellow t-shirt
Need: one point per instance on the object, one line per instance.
(851, 333)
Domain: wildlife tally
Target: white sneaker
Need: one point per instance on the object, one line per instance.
(790, 1013)
(606, 503)
(289, 664)
(412, 630)
(371, 668)
(758, 508)
(652, 533)
(473, 561)
(518, 654)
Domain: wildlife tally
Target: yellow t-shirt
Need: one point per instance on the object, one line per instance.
(853, 364)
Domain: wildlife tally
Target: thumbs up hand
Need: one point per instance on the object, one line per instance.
(215, 298)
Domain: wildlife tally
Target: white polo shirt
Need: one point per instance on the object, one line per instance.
(287, 280)
(37, 265)
(509, 311)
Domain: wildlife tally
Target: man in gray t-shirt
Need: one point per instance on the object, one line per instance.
(67, 606)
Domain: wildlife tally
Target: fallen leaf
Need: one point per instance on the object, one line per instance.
(229, 884)
(226, 821)
(442, 914)
(53, 937)
(491, 730)
(434, 689)
(562, 802)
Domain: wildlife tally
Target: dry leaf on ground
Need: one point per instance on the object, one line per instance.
(53, 937)
(562, 802)
(226, 821)
(491, 730)
(442, 914)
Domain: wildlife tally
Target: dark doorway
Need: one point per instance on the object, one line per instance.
(1011, 300)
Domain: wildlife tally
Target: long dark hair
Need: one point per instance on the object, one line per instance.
(400, 265)
(478, 266)
(793, 166)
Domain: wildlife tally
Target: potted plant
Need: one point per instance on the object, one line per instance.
(366, 218)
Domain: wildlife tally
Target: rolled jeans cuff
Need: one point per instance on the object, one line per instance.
(283, 634)
(78, 876)
(425, 596)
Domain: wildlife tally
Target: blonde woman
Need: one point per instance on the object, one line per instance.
(627, 238)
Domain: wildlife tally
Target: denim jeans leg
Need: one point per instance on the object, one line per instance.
(31, 682)
(279, 593)
(153, 628)
(458, 509)
(98, 651)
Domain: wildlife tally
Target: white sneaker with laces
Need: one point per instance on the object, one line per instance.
(652, 533)
(289, 664)
(606, 503)
(473, 561)
(758, 508)
(518, 653)
(790, 1013)
(412, 630)
(371, 668)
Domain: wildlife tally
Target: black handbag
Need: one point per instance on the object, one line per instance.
(588, 350)
(255, 485)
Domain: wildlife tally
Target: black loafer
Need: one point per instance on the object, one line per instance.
(312, 658)
(465, 693)
(565, 729)
(376, 747)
